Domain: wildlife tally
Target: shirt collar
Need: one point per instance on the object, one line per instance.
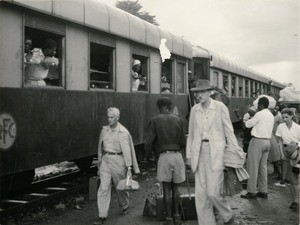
(212, 105)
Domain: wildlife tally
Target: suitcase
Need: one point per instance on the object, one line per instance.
(187, 205)
(94, 183)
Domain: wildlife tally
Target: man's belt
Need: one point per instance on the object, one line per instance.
(112, 153)
(171, 151)
(205, 140)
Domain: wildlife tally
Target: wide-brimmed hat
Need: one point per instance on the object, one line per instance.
(202, 85)
(291, 151)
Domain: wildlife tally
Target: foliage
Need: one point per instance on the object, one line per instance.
(134, 8)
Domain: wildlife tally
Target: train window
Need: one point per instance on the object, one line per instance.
(43, 59)
(215, 79)
(256, 90)
(241, 89)
(247, 88)
(139, 73)
(166, 77)
(225, 82)
(252, 88)
(180, 78)
(101, 66)
(233, 85)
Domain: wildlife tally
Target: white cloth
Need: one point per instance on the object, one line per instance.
(234, 157)
(220, 130)
(262, 123)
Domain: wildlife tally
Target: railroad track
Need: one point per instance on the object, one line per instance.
(45, 190)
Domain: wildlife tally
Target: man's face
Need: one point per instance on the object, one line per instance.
(202, 96)
(112, 119)
(28, 45)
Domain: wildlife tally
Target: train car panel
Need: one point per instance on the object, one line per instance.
(92, 18)
(47, 135)
(77, 66)
(45, 6)
(137, 30)
(123, 80)
(118, 22)
(152, 35)
(72, 9)
(155, 68)
(11, 61)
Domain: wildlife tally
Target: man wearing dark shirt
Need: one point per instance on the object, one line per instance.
(166, 131)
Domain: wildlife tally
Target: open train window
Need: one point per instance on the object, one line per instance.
(180, 78)
(225, 82)
(42, 58)
(233, 86)
(140, 77)
(241, 89)
(247, 88)
(101, 64)
(167, 76)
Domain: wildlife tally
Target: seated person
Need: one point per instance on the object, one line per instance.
(37, 68)
(27, 50)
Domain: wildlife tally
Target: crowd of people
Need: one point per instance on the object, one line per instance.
(272, 135)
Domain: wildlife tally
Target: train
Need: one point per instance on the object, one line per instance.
(96, 44)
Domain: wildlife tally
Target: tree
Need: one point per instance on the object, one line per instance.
(134, 8)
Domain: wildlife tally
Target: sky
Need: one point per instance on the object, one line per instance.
(261, 34)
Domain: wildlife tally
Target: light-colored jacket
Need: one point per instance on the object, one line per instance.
(220, 129)
(126, 144)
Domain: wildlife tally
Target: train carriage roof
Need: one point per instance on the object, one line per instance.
(97, 15)
(223, 63)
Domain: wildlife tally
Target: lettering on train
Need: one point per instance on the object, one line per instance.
(8, 131)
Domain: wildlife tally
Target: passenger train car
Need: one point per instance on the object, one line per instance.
(96, 44)
(241, 84)
(42, 125)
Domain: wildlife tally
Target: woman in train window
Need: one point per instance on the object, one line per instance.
(136, 67)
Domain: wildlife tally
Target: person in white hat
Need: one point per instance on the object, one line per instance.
(210, 129)
(136, 66)
(289, 137)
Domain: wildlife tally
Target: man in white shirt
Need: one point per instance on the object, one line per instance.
(116, 159)
(258, 151)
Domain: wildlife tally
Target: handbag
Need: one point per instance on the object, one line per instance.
(151, 202)
(128, 184)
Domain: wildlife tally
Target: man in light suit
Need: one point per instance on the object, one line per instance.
(209, 129)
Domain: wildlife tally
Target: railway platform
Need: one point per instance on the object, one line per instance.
(274, 210)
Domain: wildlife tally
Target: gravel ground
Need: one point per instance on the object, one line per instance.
(79, 210)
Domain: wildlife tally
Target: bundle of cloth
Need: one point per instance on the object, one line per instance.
(289, 93)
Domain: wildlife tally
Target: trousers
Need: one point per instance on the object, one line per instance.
(208, 186)
(112, 168)
(257, 165)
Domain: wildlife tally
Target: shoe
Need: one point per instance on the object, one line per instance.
(100, 221)
(169, 221)
(249, 195)
(261, 195)
(125, 211)
(177, 219)
(280, 184)
(294, 205)
(231, 220)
